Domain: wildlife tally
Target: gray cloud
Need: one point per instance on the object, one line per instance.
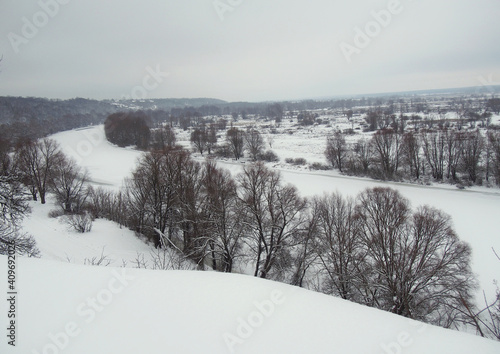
(262, 50)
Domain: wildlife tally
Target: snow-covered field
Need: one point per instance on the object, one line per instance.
(64, 308)
(193, 312)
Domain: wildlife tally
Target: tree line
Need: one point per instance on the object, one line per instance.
(134, 129)
(466, 157)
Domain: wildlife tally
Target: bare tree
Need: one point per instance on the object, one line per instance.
(211, 138)
(363, 155)
(486, 320)
(69, 184)
(275, 111)
(101, 202)
(5, 158)
(191, 221)
(274, 214)
(373, 118)
(454, 145)
(13, 208)
(494, 143)
(37, 161)
(472, 149)
(386, 145)
(224, 216)
(493, 104)
(336, 150)
(411, 151)
(270, 140)
(236, 140)
(434, 145)
(305, 255)
(81, 222)
(420, 269)
(199, 139)
(152, 193)
(338, 244)
(254, 143)
(163, 137)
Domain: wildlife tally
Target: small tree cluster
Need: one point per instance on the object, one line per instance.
(43, 168)
(236, 142)
(179, 203)
(128, 128)
(376, 251)
(163, 137)
(204, 139)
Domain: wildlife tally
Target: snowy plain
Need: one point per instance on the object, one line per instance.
(205, 312)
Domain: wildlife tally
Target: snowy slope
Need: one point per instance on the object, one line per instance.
(57, 241)
(64, 308)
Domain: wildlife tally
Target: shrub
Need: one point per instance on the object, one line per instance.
(80, 222)
(56, 213)
(319, 166)
(299, 161)
(222, 151)
(268, 156)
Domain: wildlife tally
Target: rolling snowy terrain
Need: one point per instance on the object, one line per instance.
(65, 308)
(71, 308)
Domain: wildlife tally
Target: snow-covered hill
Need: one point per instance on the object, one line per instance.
(64, 308)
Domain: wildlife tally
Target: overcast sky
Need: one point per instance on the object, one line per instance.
(245, 50)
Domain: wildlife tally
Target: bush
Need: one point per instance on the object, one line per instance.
(25, 244)
(319, 167)
(222, 151)
(80, 222)
(299, 161)
(56, 213)
(268, 156)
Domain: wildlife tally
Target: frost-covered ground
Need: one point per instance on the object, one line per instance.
(74, 309)
(159, 312)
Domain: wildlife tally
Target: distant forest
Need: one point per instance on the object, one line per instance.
(30, 118)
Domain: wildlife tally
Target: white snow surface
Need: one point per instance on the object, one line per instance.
(74, 309)
(107, 164)
(57, 241)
